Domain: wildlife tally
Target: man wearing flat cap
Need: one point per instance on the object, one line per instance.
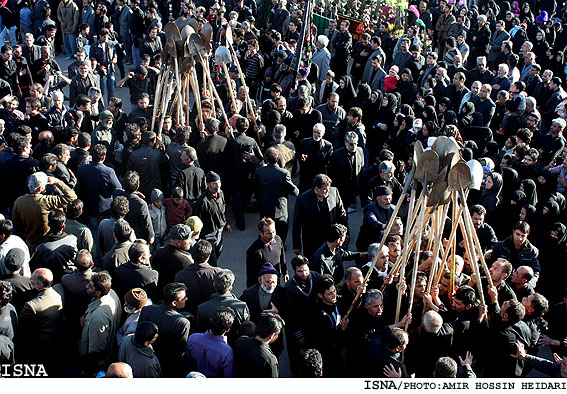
(137, 81)
(22, 290)
(211, 209)
(376, 217)
(169, 260)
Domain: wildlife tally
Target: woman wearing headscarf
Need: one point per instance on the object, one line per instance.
(528, 214)
(546, 185)
(548, 216)
(346, 92)
(398, 140)
(552, 246)
(430, 115)
(362, 96)
(370, 111)
(491, 197)
(511, 182)
(448, 118)
(491, 150)
(528, 186)
(465, 115)
(406, 87)
(540, 44)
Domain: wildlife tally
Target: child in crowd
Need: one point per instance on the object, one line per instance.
(177, 208)
(158, 216)
(392, 79)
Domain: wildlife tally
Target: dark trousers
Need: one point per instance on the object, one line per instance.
(216, 242)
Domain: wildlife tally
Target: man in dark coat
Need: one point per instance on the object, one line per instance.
(148, 161)
(172, 258)
(268, 247)
(222, 296)
(314, 154)
(211, 151)
(345, 167)
(315, 211)
(211, 209)
(95, 185)
(191, 179)
(376, 217)
(138, 215)
(253, 357)
(342, 44)
(273, 184)
(266, 296)
(328, 259)
(136, 273)
(198, 277)
(173, 328)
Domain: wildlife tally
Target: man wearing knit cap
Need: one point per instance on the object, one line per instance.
(211, 208)
(265, 296)
(134, 301)
(376, 217)
(169, 260)
(104, 134)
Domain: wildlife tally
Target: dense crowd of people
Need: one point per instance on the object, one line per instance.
(111, 238)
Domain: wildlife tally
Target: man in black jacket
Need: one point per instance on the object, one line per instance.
(253, 357)
(342, 43)
(268, 247)
(273, 184)
(300, 301)
(191, 179)
(138, 215)
(136, 273)
(345, 167)
(199, 276)
(173, 330)
(170, 259)
(314, 154)
(211, 209)
(315, 211)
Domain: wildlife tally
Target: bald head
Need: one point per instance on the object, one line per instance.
(45, 136)
(42, 278)
(119, 370)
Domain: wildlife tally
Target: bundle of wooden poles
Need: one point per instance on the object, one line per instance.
(189, 42)
(444, 180)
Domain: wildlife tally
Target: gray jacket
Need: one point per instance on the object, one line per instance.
(142, 359)
(101, 322)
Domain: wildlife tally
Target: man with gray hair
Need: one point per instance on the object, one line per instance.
(380, 271)
(286, 149)
(552, 144)
(385, 177)
(31, 210)
(314, 154)
(345, 168)
(223, 296)
(322, 56)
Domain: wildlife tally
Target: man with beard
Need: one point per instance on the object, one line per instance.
(333, 118)
(345, 166)
(300, 300)
(484, 232)
(82, 82)
(314, 154)
(376, 217)
(364, 324)
(266, 296)
(315, 211)
(268, 247)
(10, 114)
(386, 177)
(328, 259)
(380, 270)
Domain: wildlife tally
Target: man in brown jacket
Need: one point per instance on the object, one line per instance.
(31, 210)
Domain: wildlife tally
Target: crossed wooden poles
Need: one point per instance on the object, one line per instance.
(445, 179)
